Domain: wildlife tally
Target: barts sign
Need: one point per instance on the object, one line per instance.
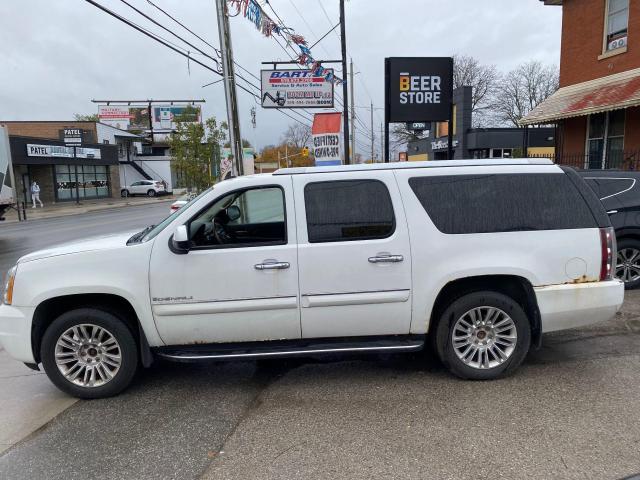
(296, 89)
(418, 89)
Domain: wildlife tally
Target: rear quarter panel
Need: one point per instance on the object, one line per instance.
(548, 257)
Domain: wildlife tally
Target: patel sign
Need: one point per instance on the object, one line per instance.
(419, 89)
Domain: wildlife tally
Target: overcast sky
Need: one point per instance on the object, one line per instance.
(58, 55)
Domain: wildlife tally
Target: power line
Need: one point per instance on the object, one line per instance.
(170, 31)
(168, 45)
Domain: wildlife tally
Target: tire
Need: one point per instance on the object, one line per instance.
(124, 193)
(92, 320)
(151, 193)
(628, 251)
(490, 366)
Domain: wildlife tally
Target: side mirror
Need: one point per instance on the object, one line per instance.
(180, 240)
(233, 212)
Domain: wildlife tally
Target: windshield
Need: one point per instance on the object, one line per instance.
(152, 232)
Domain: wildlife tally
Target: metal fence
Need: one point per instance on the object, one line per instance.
(620, 160)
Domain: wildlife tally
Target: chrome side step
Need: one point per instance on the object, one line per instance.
(186, 354)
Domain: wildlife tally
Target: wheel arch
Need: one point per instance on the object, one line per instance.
(50, 309)
(628, 232)
(516, 287)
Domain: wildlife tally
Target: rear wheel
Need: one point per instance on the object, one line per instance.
(151, 193)
(628, 262)
(483, 336)
(89, 353)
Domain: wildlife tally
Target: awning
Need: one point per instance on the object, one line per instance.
(621, 90)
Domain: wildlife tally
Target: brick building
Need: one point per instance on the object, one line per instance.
(65, 173)
(597, 107)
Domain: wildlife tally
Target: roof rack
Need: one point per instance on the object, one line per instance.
(402, 165)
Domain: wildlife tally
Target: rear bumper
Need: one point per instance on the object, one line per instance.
(15, 332)
(576, 305)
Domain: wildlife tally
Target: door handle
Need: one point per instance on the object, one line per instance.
(611, 212)
(272, 266)
(386, 259)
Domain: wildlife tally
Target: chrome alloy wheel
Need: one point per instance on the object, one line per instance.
(484, 337)
(628, 264)
(88, 355)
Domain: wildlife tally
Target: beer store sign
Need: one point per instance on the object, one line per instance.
(419, 89)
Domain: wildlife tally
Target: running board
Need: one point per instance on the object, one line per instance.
(281, 349)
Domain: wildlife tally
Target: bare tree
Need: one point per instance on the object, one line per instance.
(523, 89)
(297, 135)
(469, 72)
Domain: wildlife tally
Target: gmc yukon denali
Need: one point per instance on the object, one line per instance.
(475, 259)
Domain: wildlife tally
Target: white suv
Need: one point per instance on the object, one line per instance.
(480, 257)
(150, 188)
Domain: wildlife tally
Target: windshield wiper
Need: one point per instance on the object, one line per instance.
(140, 235)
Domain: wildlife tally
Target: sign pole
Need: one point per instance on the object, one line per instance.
(345, 94)
(386, 111)
(451, 119)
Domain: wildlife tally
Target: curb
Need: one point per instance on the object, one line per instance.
(89, 209)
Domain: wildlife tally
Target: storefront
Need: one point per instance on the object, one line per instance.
(471, 142)
(64, 172)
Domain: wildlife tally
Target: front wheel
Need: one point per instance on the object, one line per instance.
(483, 336)
(124, 193)
(89, 353)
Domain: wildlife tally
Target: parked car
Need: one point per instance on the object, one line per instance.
(476, 258)
(619, 192)
(182, 201)
(150, 188)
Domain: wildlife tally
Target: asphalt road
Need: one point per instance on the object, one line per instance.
(571, 411)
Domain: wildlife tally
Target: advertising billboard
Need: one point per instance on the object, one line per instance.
(327, 139)
(166, 116)
(124, 117)
(418, 89)
(296, 89)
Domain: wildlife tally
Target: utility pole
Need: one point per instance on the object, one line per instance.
(231, 96)
(345, 113)
(382, 143)
(373, 135)
(353, 118)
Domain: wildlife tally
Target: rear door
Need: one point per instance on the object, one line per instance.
(353, 254)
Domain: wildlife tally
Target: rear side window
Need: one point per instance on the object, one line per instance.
(609, 187)
(348, 210)
(502, 203)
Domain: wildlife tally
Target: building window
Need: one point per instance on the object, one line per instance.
(616, 25)
(605, 140)
(87, 181)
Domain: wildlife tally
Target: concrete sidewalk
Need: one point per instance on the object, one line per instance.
(65, 209)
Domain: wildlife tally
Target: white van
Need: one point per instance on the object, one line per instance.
(7, 192)
(480, 257)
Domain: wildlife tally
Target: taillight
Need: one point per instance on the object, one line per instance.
(608, 247)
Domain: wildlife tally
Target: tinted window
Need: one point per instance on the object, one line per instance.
(607, 187)
(502, 203)
(348, 210)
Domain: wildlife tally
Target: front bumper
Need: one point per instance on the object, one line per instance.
(15, 332)
(578, 304)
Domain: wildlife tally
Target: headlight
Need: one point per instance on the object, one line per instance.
(7, 296)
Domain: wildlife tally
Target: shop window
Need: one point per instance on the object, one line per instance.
(605, 140)
(83, 181)
(616, 26)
